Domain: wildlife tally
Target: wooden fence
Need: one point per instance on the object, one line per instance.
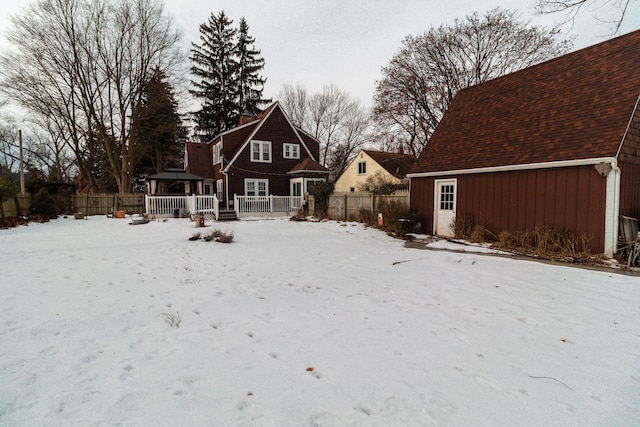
(350, 206)
(102, 204)
(88, 204)
(17, 206)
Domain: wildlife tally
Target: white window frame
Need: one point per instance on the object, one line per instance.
(256, 185)
(362, 167)
(219, 189)
(290, 151)
(264, 151)
(308, 180)
(216, 153)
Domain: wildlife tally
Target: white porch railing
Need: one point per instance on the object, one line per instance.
(267, 204)
(182, 205)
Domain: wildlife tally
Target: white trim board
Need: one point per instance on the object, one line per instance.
(526, 166)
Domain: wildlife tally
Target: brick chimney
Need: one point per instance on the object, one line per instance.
(245, 118)
(400, 149)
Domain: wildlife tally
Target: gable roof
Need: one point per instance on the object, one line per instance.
(240, 137)
(397, 164)
(199, 156)
(573, 107)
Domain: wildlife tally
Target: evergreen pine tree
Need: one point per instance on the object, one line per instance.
(250, 82)
(215, 65)
(228, 68)
(158, 127)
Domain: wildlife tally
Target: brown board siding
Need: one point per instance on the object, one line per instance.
(572, 197)
(630, 189)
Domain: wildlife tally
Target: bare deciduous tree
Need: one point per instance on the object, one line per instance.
(340, 123)
(421, 79)
(82, 64)
(612, 12)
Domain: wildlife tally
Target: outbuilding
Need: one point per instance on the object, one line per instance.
(556, 144)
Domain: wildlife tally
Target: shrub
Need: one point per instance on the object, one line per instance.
(394, 215)
(225, 238)
(366, 217)
(380, 184)
(321, 192)
(43, 204)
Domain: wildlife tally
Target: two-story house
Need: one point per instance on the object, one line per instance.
(265, 155)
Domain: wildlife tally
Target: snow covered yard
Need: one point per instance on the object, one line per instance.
(303, 324)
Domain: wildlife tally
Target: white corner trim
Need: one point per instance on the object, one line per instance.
(526, 166)
(612, 210)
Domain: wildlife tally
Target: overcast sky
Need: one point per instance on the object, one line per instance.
(346, 42)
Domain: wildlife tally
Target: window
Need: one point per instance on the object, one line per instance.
(219, 189)
(256, 187)
(310, 184)
(352, 189)
(207, 189)
(446, 197)
(291, 151)
(362, 168)
(261, 151)
(217, 157)
(296, 189)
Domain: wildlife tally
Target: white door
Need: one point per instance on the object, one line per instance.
(445, 207)
(296, 193)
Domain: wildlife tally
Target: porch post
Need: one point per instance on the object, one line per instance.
(235, 204)
(270, 202)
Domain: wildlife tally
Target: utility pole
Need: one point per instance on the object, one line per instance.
(21, 172)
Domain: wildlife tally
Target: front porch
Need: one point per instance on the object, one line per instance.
(209, 206)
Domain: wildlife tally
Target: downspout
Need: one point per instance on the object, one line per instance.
(226, 182)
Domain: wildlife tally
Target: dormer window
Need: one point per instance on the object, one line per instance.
(291, 151)
(261, 151)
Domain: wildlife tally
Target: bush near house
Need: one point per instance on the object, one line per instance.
(397, 218)
(43, 204)
(321, 192)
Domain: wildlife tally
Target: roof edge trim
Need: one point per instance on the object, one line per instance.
(626, 131)
(307, 171)
(508, 168)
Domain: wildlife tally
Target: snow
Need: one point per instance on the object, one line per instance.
(303, 324)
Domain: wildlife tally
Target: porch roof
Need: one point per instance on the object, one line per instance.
(308, 166)
(174, 174)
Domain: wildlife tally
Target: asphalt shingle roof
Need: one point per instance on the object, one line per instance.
(576, 106)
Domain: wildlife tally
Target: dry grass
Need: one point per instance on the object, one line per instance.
(465, 227)
(218, 236)
(554, 243)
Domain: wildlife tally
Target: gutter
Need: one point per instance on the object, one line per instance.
(526, 166)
